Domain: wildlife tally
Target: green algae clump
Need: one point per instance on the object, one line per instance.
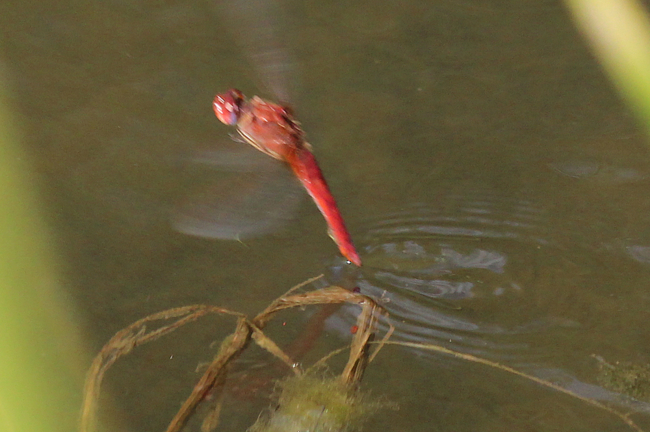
(627, 378)
(317, 404)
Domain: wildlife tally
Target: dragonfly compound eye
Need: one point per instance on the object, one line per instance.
(227, 106)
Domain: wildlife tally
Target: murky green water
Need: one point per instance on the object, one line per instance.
(495, 185)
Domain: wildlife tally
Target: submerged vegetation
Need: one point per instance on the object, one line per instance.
(627, 378)
(317, 402)
(314, 399)
(307, 401)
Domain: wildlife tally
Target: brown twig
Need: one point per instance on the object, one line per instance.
(625, 417)
(212, 381)
(215, 375)
(125, 341)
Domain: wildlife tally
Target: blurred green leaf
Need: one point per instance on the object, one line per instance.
(619, 34)
(41, 363)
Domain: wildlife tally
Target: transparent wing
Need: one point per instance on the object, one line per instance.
(257, 26)
(236, 194)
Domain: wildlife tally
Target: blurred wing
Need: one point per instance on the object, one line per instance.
(236, 157)
(245, 193)
(256, 25)
(236, 195)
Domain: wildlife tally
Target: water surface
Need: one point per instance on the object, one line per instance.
(495, 185)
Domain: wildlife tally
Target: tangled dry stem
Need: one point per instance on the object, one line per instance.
(212, 380)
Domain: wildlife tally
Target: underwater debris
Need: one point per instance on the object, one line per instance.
(310, 401)
(325, 403)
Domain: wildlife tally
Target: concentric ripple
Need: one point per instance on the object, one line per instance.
(480, 272)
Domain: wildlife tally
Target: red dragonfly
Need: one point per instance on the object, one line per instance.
(271, 129)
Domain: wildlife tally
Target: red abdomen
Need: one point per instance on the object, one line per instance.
(304, 165)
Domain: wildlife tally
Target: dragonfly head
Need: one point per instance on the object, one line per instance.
(227, 106)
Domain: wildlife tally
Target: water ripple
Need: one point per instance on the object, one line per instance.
(465, 274)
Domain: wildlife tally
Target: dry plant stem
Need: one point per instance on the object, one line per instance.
(333, 294)
(313, 328)
(310, 333)
(214, 377)
(266, 343)
(379, 345)
(302, 284)
(211, 420)
(323, 361)
(123, 343)
(625, 417)
(359, 349)
(366, 325)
